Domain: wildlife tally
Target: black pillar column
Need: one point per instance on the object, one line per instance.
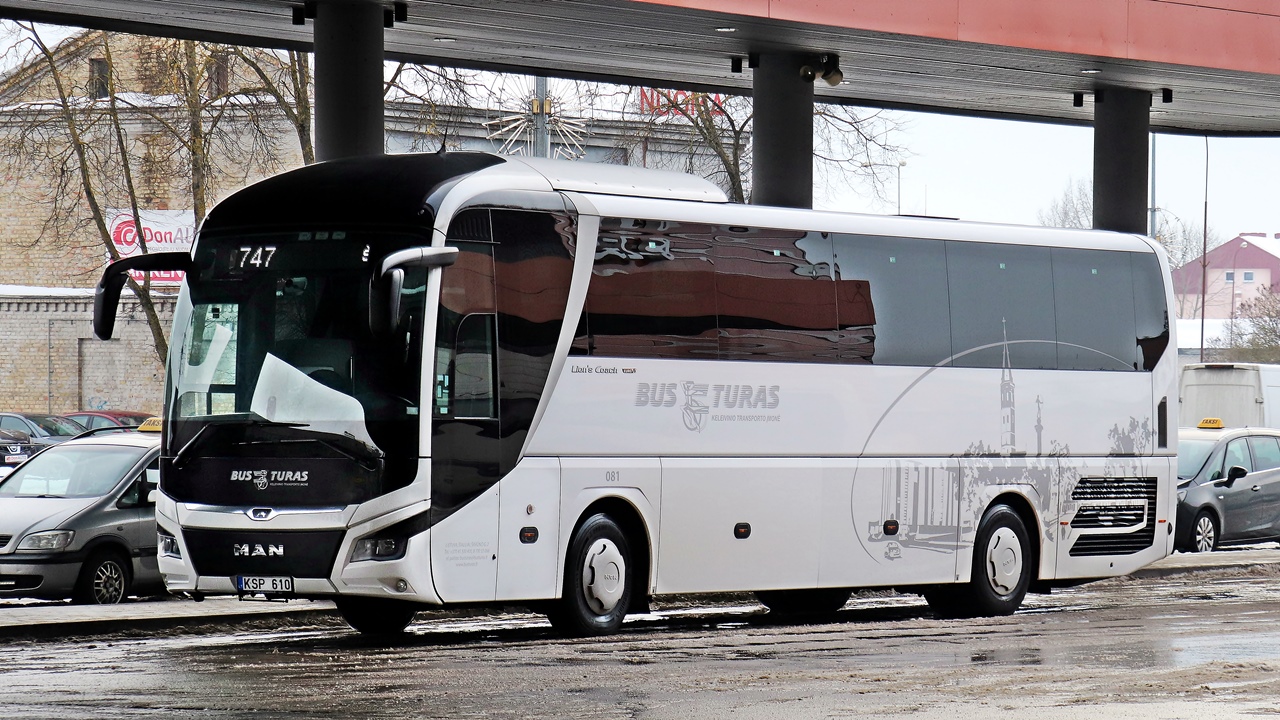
(782, 138)
(348, 47)
(1121, 122)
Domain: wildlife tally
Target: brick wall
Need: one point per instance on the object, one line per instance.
(51, 361)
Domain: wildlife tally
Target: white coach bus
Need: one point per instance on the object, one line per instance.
(421, 380)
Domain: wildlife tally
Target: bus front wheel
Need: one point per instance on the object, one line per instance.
(597, 580)
(375, 616)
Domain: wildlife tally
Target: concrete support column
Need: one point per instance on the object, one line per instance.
(782, 138)
(1121, 125)
(348, 76)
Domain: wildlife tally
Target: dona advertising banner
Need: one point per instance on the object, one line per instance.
(162, 231)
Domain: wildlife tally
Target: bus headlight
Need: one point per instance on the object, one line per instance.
(50, 541)
(378, 548)
(169, 545)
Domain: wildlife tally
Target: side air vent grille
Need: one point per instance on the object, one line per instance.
(1113, 505)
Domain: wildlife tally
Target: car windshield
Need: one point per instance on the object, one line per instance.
(78, 471)
(1192, 454)
(53, 425)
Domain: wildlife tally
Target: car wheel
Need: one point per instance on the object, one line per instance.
(597, 581)
(1204, 533)
(818, 601)
(104, 580)
(376, 616)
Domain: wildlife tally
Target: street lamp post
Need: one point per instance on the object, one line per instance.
(901, 163)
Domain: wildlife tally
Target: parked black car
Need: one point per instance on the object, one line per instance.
(42, 429)
(1228, 486)
(15, 447)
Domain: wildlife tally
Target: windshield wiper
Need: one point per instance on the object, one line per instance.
(180, 456)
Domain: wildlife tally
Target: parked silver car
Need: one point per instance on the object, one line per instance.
(76, 520)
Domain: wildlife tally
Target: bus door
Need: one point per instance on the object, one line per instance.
(465, 433)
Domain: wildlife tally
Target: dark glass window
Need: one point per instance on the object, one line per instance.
(893, 300)
(1150, 310)
(1001, 302)
(1237, 454)
(774, 295)
(1266, 452)
(99, 85)
(1093, 298)
(473, 382)
(652, 291)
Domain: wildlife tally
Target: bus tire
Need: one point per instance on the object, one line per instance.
(1001, 574)
(375, 616)
(1001, 563)
(816, 601)
(597, 581)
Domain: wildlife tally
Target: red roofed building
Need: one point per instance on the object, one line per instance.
(1235, 272)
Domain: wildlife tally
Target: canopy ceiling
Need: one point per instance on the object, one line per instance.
(1003, 58)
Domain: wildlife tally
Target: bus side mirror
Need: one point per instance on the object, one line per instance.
(390, 281)
(106, 297)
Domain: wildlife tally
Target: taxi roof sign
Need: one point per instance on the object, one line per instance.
(151, 424)
(1207, 424)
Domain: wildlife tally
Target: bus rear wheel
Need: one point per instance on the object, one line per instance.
(817, 601)
(597, 581)
(375, 616)
(1001, 573)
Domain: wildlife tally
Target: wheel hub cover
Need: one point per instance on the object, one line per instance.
(603, 576)
(1204, 535)
(1004, 561)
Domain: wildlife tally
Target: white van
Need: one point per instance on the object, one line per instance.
(1242, 394)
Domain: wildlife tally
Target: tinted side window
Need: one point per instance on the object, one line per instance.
(893, 300)
(1001, 301)
(1266, 452)
(1093, 299)
(1150, 311)
(652, 292)
(1237, 454)
(774, 295)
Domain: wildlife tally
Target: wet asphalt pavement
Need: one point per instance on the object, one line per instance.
(1193, 642)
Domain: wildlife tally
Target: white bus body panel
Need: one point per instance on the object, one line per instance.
(705, 498)
(636, 481)
(464, 551)
(859, 495)
(529, 497)
(726, 409)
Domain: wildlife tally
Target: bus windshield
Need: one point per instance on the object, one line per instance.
(289, 339)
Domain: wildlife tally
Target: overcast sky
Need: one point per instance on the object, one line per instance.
(1007, 171)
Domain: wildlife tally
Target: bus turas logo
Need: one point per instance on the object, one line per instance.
(694, 411)
(700, 399)
(256, 550)
(263, 479)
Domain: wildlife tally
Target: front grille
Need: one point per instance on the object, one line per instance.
(4, 540)
(1109, 516)
(1097, 515)
(226, 553)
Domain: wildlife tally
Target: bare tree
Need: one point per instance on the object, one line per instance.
(77, 137)
(849, 143)
(1072, 209)
(174, 126)
(1253, 335)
